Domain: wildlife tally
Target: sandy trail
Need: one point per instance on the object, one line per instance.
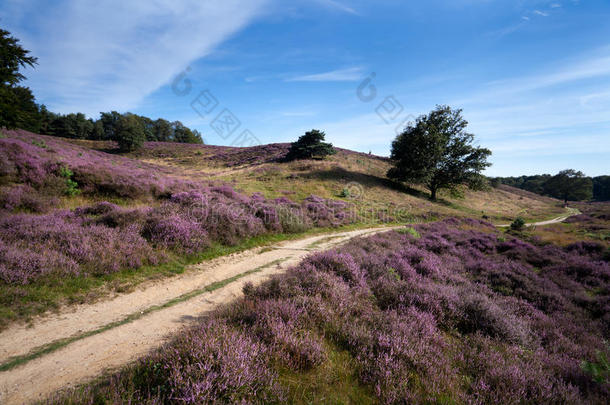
(570, 213)
(90, 356)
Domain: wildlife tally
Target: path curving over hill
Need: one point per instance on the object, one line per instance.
(80, 343)
(570, 213)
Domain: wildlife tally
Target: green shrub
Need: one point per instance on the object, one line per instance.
(409, 231)
(518, 224)
(71, 188)
(40, 144)
(310, 146)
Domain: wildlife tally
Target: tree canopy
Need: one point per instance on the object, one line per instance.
(129, 133)
(311, 145)
(437, 151)
(569, 185)
(18, 108)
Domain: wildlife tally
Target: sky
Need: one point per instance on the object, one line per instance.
(531, 76)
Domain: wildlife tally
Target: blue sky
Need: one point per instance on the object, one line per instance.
(533, 77)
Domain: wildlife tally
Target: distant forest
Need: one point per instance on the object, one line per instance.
(19, 109)
(539, 184)
(77, 126)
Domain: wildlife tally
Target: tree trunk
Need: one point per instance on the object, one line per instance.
(433, 193)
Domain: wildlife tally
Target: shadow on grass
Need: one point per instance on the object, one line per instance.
(368, 180)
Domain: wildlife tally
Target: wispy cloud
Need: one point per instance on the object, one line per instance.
(338, 6)
(541, 13)
(95, 56)
(340, 75)
(593, 67)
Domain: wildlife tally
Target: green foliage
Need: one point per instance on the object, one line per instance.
(518, 224)
(409, 231)
(71, 186)
(311, 145)
(437, 151)
(495, 182)
(601, 188)
(599, 369)
(17, 105)
(534, 184)
(13, 58)
(40, 144)
(569, 185)
(345, 193)
(183, 134)
(129, 133)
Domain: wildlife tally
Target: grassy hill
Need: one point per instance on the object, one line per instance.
(256, 169)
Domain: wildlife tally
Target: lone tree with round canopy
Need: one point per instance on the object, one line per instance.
(569, 185)
(437, 151)
(311, 145)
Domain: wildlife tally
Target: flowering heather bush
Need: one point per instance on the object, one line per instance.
(26, 198)
(105, 238)
(450, 317)
(175, 232)
(64, 243)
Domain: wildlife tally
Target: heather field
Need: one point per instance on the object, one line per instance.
(78, 219)
(445, 312)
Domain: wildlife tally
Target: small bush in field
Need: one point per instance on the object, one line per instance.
(311, 145)
(71, 186)
(409, 231)
(518, 224)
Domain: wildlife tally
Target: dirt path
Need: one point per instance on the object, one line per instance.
(109, 334)
(570, 213)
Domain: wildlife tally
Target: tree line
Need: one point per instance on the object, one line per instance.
(566, 185)
(18, 109)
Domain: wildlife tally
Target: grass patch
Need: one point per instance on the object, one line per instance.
(58, 344)
(333, 382)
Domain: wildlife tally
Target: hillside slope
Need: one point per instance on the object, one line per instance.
(256, 169)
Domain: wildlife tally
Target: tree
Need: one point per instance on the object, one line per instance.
(569, 185)
(129, 133)
(437, 151)
(17, 104)
(184, 134)
(601, 188)
(163, 130)
(109, 123)
(309, 146)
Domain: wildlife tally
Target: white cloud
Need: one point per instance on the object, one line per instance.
(541, 13)
(341, 75)
(593, 67)
(337, 5)
(101, 55)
